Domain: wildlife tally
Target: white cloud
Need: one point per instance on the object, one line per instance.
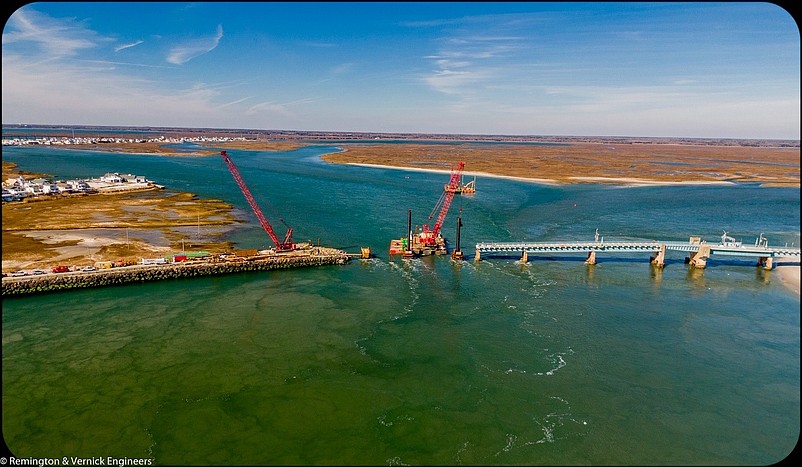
(65, 92)
(455, 82)
(270, 107)
(280, 108)
(127, 46)
(54, 37)
(194, 48)
(342, 68)
(466, 65)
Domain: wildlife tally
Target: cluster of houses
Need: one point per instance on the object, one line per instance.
(17, 189)
(91, 140)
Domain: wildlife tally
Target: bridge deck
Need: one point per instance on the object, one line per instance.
(517, 248)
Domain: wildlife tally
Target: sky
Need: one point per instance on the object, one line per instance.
(686, 69)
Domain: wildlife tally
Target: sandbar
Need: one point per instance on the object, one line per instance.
(625, 181)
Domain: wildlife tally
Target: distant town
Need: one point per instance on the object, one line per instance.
(92, 140)
(65, 134)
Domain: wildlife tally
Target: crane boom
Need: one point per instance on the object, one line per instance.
(280, 245)
(449, 189)
(444, 202)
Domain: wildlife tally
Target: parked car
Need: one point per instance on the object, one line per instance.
(60, 269)
(19, 274)
(38, 272)
(88, 268)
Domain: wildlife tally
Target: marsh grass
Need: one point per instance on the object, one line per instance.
(566, 163)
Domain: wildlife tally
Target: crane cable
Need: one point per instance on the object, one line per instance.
(270, 206)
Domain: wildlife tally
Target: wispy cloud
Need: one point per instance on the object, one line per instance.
(341, 69)
(321, 45)
(431, 23)
(127, 46)
(464, 64)
(194, 48)
(232, 103)
(55, 38)
(281, 108)
(267, 107)
(455, 82)
(80, 91)
(466, 61)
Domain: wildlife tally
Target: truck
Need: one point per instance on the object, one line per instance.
(153, 261)
(60, 268)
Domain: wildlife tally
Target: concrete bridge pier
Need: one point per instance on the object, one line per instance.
(524, 257)
(659, 258)
(591, 257)
(699, 258)
(477, 258)
(766, 262)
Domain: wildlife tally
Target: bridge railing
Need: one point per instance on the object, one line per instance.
(624, 246)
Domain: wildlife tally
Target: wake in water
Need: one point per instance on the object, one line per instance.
(409, 271)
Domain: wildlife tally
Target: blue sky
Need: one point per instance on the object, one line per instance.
(728, 70)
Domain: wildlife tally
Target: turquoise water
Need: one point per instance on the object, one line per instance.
(390, 362)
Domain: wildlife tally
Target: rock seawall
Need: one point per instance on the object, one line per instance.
(67, 281)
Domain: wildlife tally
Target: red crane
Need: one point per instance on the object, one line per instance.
(427, 237)
(285, 245)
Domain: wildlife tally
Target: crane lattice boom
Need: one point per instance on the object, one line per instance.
(428, 236)
(280, 245)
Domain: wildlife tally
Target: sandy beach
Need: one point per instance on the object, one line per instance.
(623, 181)
(629, 181)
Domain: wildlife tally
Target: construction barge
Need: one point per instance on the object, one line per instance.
(311, 257)
(426, 241)
(418, 243)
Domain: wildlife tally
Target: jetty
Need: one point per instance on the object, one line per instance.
(52, 282)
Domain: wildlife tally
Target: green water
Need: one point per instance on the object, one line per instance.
(391, 362)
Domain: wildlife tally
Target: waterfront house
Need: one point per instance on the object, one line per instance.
(112, 178)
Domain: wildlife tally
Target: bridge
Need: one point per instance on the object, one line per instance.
(699, 250)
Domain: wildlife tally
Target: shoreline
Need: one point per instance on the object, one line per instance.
(624, 181)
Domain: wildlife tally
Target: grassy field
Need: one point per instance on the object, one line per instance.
(590, 162)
